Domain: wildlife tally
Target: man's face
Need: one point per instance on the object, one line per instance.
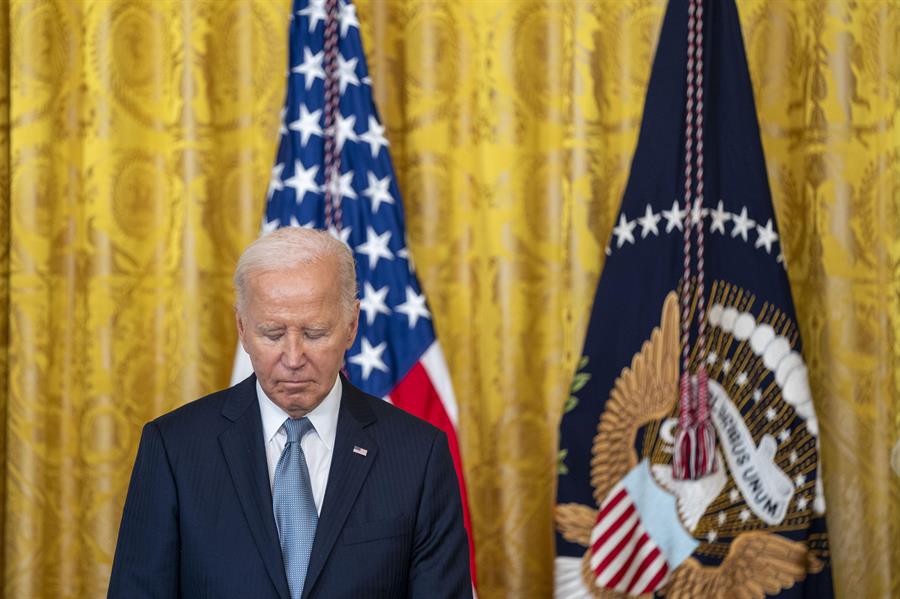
(296, 329)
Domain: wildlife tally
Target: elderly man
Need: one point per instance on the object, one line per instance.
(293, 483)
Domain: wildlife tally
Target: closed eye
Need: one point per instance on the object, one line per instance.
(272, 334)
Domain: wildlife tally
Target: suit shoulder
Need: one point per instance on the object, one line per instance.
(203, 412)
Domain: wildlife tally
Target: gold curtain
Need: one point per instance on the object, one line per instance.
(137, 142)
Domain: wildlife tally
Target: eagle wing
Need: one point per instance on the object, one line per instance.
(645, 391)
(758, 563)
(575, 522)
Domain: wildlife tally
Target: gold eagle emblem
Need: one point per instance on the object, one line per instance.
(757, 562)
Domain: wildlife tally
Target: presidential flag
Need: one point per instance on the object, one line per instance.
(331, 132)
(689, 448)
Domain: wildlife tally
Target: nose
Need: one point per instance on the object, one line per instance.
(294, 354)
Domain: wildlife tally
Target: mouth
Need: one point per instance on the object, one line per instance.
(296, 384)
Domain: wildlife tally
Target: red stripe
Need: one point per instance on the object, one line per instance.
(624, 569)
(618, 548)
(613, 528)
(643, 568)
(612, 503)
(416, 394)
(656, 579)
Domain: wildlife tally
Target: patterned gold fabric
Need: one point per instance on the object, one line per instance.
(137, 140)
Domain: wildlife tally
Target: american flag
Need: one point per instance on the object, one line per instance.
(396, 354)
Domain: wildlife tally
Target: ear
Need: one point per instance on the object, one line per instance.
(354, 325)
(240, 326)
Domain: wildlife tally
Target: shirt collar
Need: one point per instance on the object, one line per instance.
(324, 416)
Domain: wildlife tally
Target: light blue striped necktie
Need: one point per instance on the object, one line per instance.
(295, 509)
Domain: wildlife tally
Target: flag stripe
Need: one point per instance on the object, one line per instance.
(609, 564)
(613, 522)
(608, 513)
(624, 565)
(634, 568)
(436, 366)
(613, 535)
(654, 572)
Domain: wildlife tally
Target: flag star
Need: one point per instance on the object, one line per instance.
(780, 258)
(734, 495)
(726, 366)
(711, 536)
(800, 480)
(369, 358)
(674, 217)
(275, 182)
(342, 235)
(303, 180)
(741, 379)
(722, 518)
(270, 225)
(784, 435)
(414, 307)
(341, 186)
(623, 231)
(648, 222)
(374, 136)
(378, 191)
(311, 67)
(711, 358)
(771, 414)
(698, 214)
(744, 515)
(719, 218)
(296, 223)
(367, 80)
(373, 302)
(793, 457)
(282, 130)
(404, 254)
(346, 72)
(742, 224)
(348, 18)
(766, 236)
(375, 247)
(307, 124)
(344, 130)
(315, 12)
(802, 502)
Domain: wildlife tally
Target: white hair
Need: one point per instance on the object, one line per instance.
(293, 246)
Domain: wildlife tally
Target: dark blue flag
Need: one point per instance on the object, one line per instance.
(753, 523)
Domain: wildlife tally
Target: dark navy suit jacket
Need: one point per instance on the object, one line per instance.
(198, 520)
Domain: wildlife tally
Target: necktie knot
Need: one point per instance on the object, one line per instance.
(296, 428)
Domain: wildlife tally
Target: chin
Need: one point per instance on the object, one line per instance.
(293, 403)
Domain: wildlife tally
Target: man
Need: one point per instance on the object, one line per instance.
(293, 483)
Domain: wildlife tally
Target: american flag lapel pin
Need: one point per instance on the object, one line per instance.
(360, 450)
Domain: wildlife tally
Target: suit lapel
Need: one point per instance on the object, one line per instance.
(242, 445)
(345, 479)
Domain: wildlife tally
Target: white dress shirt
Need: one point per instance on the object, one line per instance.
(318, 444)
